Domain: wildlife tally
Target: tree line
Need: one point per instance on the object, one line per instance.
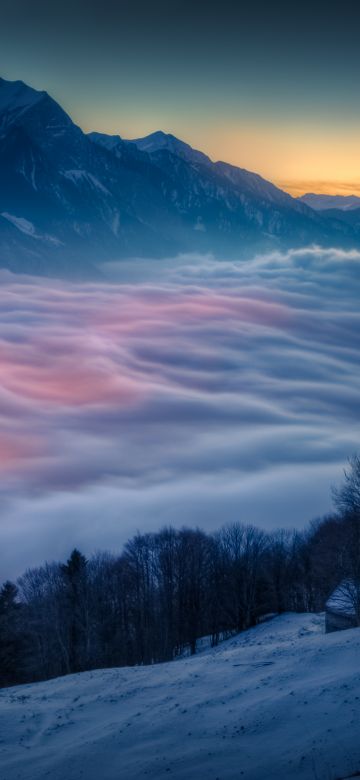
(167, 589)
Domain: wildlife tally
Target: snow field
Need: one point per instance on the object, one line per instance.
(279, 701)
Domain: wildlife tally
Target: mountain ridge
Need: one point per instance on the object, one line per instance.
(160, 140)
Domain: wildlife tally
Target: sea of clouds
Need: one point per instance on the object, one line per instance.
(190, 392)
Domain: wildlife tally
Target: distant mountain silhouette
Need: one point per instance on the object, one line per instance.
(70, 201)
(327, 202)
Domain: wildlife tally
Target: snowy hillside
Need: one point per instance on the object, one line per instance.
(279, 701)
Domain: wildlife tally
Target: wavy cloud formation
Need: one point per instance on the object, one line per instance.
(206, 392)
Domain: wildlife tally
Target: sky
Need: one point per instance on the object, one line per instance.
(272, 87)
(194, 393)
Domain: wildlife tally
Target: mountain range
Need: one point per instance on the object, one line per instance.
(342, 208)
(328, 202)
(71, 201)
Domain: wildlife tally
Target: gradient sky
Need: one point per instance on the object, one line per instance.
(272, 87)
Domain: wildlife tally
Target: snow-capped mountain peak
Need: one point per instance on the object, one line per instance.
(160, 140)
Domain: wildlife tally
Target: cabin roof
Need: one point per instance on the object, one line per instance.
(343, 599)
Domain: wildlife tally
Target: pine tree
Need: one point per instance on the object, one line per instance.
(76, 596)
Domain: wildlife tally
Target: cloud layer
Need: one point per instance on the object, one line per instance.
(205, 392)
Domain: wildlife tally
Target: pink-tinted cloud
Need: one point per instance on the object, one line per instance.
(216, 374)
(70, 380)
(79, 351)
(16, 451)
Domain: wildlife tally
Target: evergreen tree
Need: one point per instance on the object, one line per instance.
(77, 609)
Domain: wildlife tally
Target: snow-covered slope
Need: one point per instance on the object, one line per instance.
(279, 701)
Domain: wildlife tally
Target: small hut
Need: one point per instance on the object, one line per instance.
(341, 607)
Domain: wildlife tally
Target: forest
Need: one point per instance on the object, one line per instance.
(152, 602)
